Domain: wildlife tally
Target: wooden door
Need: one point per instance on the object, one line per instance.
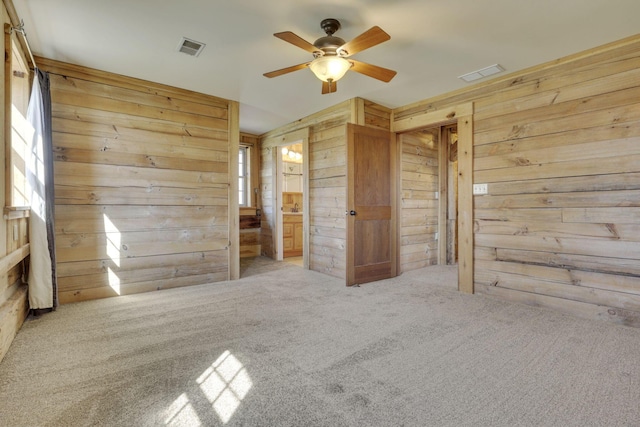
(371, 198)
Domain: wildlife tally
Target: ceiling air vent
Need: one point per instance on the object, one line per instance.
(190, 47)
(479, 74)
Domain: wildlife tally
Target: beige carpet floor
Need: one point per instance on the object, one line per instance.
(289, 347)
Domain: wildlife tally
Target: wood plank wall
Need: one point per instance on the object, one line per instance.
(14, 305)
(327, 187)
(559, 147)
(328, 194)
(376, 115)
(141, 184)
(418, 203)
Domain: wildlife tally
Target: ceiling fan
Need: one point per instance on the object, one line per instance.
(330, 54)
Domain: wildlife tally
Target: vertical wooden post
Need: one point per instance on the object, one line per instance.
(357, 111)
(443, 167)
(8, 148)
(465, 204)
(398, 201)
(234, 208)
(276, 201)
(306, 204)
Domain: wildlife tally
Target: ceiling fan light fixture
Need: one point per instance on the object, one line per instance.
(330, 52)
(329, 68)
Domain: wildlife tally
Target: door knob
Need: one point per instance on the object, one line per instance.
(352, 213)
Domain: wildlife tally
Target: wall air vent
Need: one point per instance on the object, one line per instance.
(479, 74)
(190, 47)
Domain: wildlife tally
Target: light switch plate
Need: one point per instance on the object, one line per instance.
(479, 189)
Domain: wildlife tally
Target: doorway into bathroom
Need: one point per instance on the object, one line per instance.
(292, 203)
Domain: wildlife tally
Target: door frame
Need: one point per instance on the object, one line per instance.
(297, 137)
(462, 116)
(233, 204)
(444, 194)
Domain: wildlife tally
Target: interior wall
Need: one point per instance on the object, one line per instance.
(559, 147)
(327, 180)
(418, 200)
(375, 115)
(327, 187)
(141, 184)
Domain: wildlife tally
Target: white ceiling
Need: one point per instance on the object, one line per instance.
(432, 43)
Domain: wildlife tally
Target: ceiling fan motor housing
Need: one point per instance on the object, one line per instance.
(329, 44)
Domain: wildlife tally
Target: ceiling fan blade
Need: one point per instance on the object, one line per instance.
(288, 36)
(371, 37)
(383, 74)
(329, 87)
(291, 69)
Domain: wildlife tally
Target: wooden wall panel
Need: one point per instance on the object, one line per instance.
(418, 203)
(141, 184)
(558, 146)
(327, 187)
(14, 305)
(376, 115)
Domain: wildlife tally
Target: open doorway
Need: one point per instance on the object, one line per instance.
(290, 198)
(449, 199)
(427, 170)
(291, 173)
(429, 189)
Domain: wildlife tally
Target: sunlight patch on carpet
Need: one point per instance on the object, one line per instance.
(181, 413)
(225, 384)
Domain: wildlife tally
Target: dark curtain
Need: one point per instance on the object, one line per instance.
(40, 173)
(47, 141)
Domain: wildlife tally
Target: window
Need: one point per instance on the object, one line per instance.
(19, 99)
(244, 183)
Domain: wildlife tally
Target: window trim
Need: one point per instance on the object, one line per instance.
(12, 46)
(244, 173)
